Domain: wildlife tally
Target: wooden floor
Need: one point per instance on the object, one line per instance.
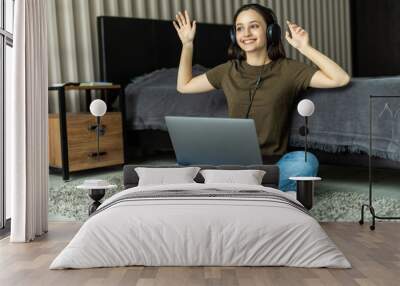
(375, 257)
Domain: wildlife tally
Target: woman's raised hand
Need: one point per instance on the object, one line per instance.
(186, 31)
(299, 38)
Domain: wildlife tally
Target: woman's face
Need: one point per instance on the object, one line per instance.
(251, 31)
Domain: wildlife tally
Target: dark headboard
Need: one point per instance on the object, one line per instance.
(129, 47)
(270, 179)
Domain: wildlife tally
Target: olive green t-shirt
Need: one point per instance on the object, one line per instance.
(281, 80)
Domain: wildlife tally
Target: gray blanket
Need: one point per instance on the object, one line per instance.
(152, 97)
(341, 119)
(340, 122)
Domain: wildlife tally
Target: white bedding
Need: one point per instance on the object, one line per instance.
(200, 231)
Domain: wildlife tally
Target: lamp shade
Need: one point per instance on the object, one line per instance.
(98, 107)
(306, 107)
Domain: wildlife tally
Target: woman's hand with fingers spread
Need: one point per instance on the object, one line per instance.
(299, 38)
(186, 31)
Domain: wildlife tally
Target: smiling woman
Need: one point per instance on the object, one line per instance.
(259, 81)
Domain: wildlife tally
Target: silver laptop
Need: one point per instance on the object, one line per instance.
(214, 141)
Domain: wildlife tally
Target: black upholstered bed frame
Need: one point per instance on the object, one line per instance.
(270, 179)
(130, 47)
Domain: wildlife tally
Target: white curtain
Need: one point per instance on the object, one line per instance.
(26, 123)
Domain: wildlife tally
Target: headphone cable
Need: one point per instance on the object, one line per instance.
(251, 96)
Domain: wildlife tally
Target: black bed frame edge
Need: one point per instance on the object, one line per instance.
(270, 179)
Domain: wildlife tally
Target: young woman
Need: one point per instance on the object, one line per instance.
(260, 82)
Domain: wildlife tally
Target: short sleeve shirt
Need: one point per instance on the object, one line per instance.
(280, 82)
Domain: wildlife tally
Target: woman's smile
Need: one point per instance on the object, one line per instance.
(248, 41)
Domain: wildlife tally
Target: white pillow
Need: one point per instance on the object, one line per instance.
(164, 176)
(248, 177)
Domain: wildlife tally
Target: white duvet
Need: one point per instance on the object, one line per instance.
(200, 231)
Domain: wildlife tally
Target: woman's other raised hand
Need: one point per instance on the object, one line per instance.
(186, 30)
(299, 37)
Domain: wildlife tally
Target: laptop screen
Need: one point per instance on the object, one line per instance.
(215, 141)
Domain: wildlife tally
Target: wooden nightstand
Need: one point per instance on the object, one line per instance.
(71, 140)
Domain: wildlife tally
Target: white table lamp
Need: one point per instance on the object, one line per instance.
(98, 108)
(305, 108)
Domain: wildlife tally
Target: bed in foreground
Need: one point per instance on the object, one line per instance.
(197, 224)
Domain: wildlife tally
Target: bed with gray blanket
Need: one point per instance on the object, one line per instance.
(340, 123)
(341, 119)
(151, 97)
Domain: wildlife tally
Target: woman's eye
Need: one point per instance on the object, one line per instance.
(254, 26)
(239, 29)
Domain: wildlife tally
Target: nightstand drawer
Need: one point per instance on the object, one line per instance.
(82, 141)
(80, 159)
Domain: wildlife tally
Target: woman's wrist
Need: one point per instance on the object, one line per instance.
(187, 44)
(304, 50)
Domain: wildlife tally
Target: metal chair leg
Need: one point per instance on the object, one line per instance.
(361, 221)
(372, 210)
